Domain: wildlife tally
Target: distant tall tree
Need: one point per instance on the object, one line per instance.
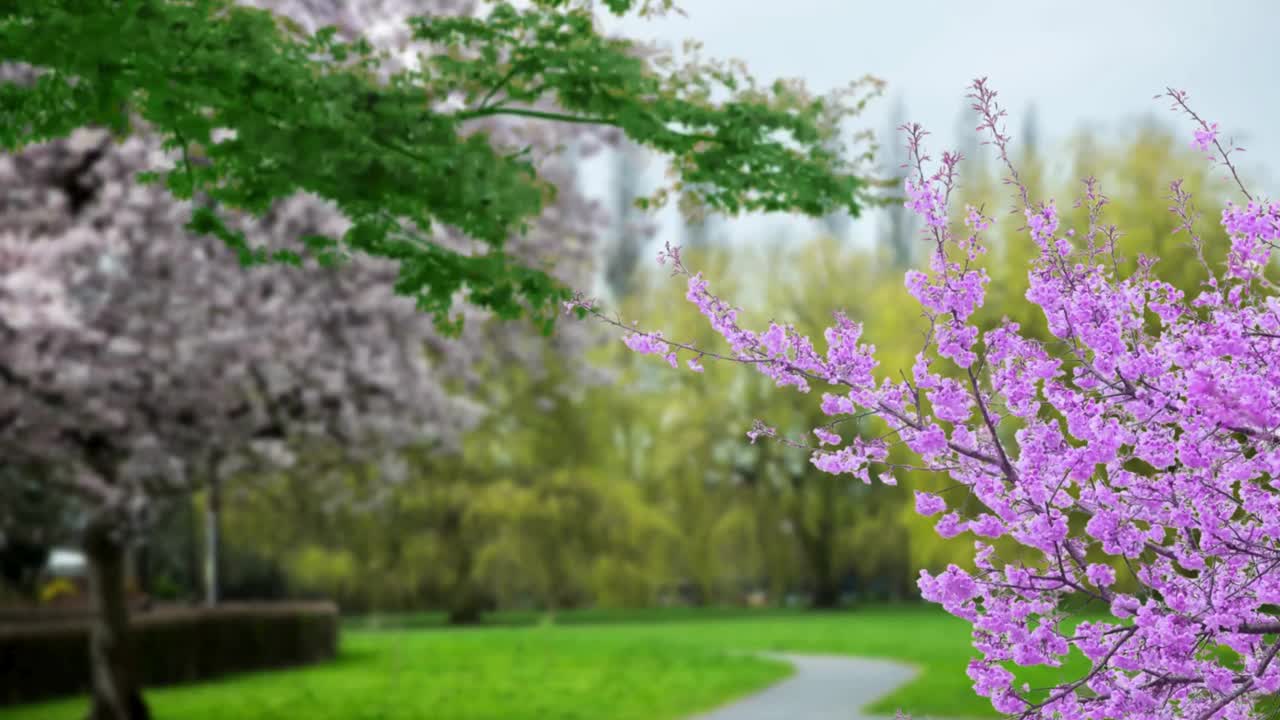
(632, 228)
(700, 226)
(1031, 163)
(969, 145)
(836, 223)
(1030, 129)
(975, 185)
(901, 225)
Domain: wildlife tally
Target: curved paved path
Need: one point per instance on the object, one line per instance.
(823, 687)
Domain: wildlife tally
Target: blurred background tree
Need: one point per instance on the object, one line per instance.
(623, 488)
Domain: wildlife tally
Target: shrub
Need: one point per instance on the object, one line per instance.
(43, 658)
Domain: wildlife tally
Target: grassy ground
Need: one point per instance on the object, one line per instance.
(937, 644)
(597, 666)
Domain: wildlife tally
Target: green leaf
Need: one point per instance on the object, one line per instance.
(310, 116)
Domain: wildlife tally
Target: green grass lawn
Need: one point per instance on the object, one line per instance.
(654, 665)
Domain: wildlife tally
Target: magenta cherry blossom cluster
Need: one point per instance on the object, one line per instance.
(1147, 437)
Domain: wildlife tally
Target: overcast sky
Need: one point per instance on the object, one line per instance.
(1083, 63)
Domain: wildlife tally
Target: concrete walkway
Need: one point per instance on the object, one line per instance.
(823, 687)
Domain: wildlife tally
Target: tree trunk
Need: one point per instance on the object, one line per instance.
(819, 549)
(191, 553)
(117, 694)
(142, 569)
(822, 553)
(468, 612)
(826, 594)
(212, 539)
(468, 605)
(467, 601)
(826, 583)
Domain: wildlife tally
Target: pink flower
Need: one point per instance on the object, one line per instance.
(1140, 431)
(826, 436)
(1205, 138)
(951, 525)
(928, 504)
(1101, 575)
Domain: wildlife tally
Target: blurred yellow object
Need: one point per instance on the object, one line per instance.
(57, 588)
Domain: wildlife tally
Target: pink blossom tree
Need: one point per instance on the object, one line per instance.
(139, 361)
(1144, 437)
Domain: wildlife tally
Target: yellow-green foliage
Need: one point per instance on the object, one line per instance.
(615, 493)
